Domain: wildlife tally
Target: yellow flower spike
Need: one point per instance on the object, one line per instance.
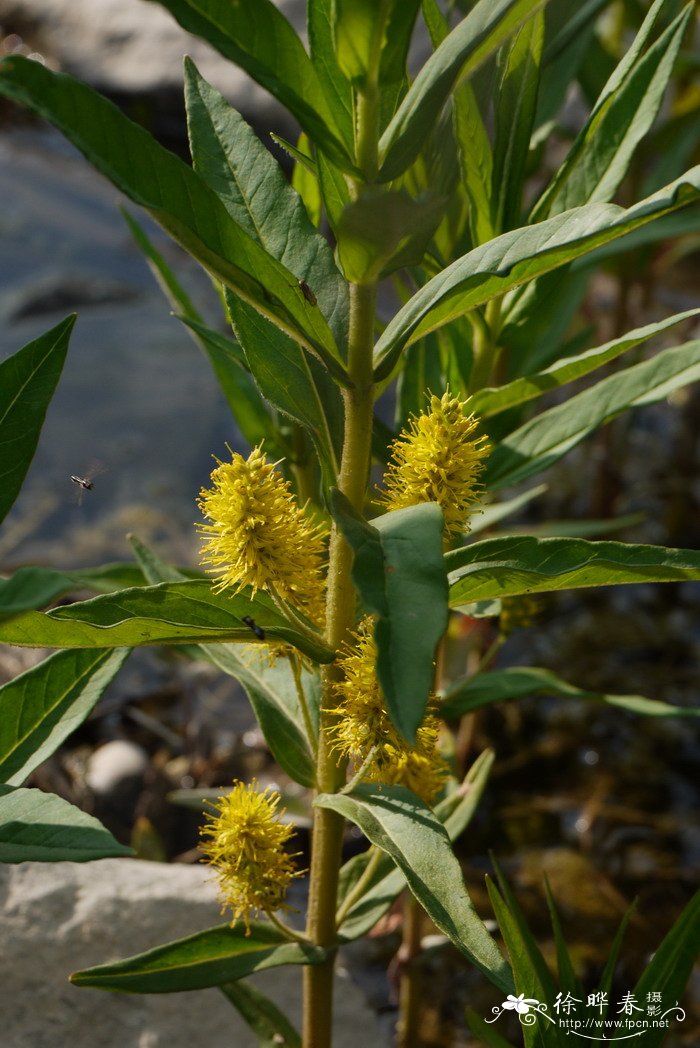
(365, 733)
(259, 536)
(438, 460)
(244, 842)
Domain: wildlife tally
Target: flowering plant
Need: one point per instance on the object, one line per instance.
(347, 588)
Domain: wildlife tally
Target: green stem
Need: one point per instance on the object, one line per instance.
(359, 890)
(485, 345)
(288, 932)
(361, 771)
(340, 610)
(295, 663)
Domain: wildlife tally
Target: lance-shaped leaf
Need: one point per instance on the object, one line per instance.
(482, 32)
(269, 687)
(40, 708)
(399, 572)
(544, 439)
(27, 383)
(225, 355)
(670, 968)
(232, 160)
(455, 812)
(518, 257)
(486, 402)
(516, 100)
(506, 685)
(271, 1027)
(396, 821)
(257, 37)
(40, 827)
(170, 613)
(209, 958)
(30, 588)
(626, 109)
(510, 567)
(175, 195)
(338, 90)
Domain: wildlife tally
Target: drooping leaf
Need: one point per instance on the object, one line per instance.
(270, 1026)
(399, 573)
(507, 685)
(41, 707)
(174, 194)
(269, 686)
(482, 32)
(454, 812)
(27, 383)
(396, 821)
(626, 109)
(40, 827)
(517, 257)
(170, 613)
(384, 231)
(510, 567)
(209, 958)
(547, 437)
(486, 402)
(255, 35)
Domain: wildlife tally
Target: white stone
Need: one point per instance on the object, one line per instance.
(59, 917)
(135, 46)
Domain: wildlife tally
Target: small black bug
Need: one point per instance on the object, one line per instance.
(252, 624)
(307, 293)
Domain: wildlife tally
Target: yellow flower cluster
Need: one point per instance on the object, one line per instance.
(259, 536)
(438, 460)
(518, 613)
(364, 731)
(244, 842)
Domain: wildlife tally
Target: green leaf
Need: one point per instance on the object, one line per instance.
(232, 160)
(256, 36)
(671, 966)
(486, 402)
(174, 194)
(397, 40)
(30, 588)
(455, 812)
(270, 688)
(484, 1033)
(565, 969)
(626, 109)
(296, 384)
(482, 32)
(421, 371)
(225, 355)
(41, 707)
(509, 567)
(516, 101)
(546, 438)
(209, 958)
(270, 1026)
(517, 257)
(516, 683)
(39, 827)
(385, 230)
(28, 380)
(305, 179)
(338, 91)
(396, 821)
(356, 26)
(399, 573)
(170, 613)
(334, 191)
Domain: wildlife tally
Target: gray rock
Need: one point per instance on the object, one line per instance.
(131, 46)
(115, 764)
(60, 917)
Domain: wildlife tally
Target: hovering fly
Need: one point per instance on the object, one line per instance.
(87, 482)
